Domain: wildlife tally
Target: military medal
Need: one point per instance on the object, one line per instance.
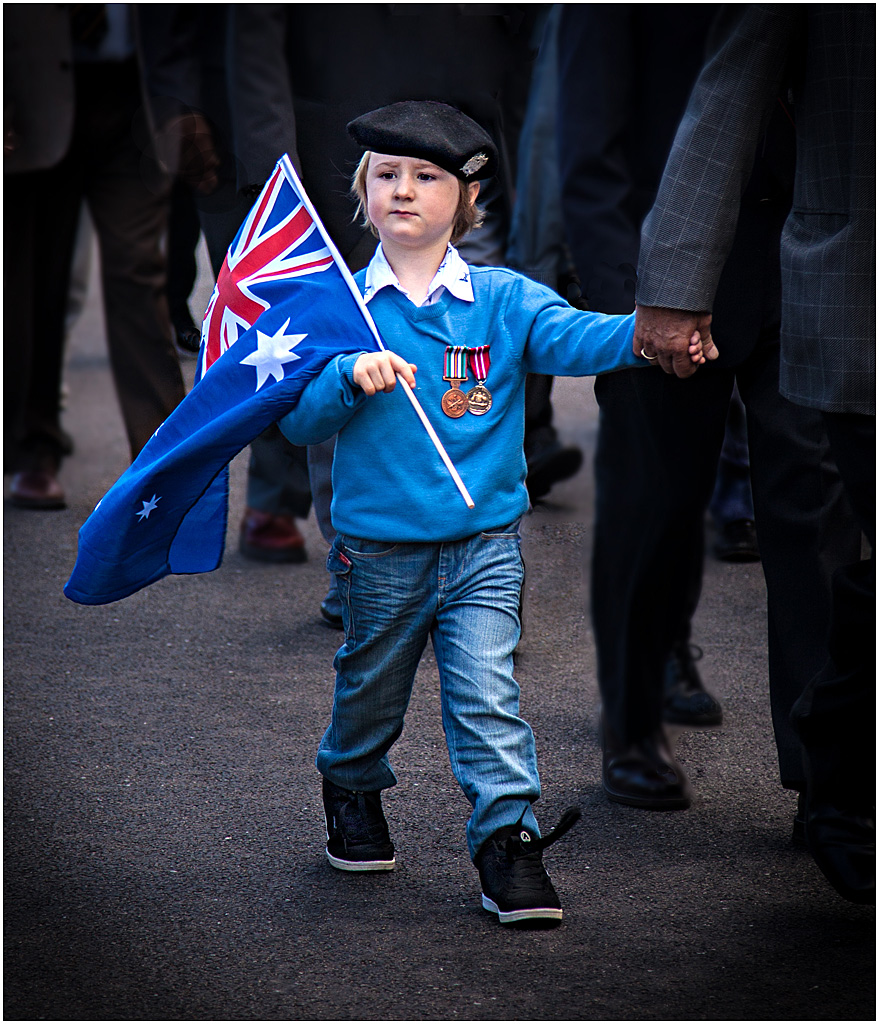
(479, 398)
(454, 401)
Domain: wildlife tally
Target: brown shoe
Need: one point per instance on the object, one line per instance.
(268, 538)
(36, 488)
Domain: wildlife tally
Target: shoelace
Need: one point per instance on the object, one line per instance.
(569, 818)
(356, 811)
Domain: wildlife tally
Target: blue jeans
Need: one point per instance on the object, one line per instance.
(463, 595)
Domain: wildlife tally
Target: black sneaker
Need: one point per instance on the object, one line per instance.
(515, 885)
(357, 832)
(686, 701)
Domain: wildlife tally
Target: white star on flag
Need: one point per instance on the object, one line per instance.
(272, 352)
(148, 507)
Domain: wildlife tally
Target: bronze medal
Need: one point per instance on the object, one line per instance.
(454, 401)
(479, 400)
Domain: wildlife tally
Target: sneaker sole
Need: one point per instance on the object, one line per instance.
(361, 865)
(529, 914)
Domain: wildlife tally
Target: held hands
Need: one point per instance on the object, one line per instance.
(377, 371)
(680, 340)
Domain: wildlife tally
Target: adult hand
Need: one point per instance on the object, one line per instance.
(186, 148)
(666, 335)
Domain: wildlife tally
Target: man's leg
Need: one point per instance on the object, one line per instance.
(278, 493)
(130, 219)
(42, 213)
(836, 715)
(659, 439)
(806, 529)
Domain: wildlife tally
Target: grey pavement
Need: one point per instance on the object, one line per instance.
(164, 835)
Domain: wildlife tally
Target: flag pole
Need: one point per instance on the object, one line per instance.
(293, 178)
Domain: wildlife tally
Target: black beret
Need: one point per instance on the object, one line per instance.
(430, 130)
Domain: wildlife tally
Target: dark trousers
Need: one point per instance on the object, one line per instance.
(277, 476)
(184, 233)
(836, 716)
(658, 446)
(128, 202)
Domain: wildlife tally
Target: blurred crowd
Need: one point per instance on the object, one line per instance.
(691, 161)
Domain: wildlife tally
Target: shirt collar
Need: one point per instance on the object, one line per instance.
(453, 274)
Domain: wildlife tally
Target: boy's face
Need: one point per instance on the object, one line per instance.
(411, 201)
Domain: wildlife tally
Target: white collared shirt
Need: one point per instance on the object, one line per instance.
(453, 274)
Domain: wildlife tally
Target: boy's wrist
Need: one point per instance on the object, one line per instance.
(346, 367)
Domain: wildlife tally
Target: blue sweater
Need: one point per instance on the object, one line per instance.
(389, 483)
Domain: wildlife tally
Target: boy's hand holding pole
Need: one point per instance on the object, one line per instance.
(377, 371)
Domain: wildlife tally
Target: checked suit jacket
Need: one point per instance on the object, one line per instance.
(828, 243)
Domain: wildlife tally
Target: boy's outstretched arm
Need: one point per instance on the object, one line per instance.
(377, 371)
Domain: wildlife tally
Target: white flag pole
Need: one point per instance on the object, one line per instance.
(293, 178)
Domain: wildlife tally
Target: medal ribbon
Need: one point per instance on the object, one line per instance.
(480, 361)
(456, 363)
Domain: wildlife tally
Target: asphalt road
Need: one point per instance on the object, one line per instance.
(164, 835)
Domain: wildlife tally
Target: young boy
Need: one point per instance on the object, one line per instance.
(412, 562)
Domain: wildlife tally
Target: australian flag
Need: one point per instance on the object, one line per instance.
(283, 307)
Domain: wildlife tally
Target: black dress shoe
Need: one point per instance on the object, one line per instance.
(644, 775)
(186, 334)
(737, 542)
(188, 340)
(38, 489)
(843, 843)
(686, 700)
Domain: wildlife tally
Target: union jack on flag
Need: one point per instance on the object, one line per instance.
(277, 242)
(283, 307)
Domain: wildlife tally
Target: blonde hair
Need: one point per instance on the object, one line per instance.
(467, 217)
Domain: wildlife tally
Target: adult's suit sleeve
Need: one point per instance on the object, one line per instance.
(688, 234)
(38, 90)
(260, 96)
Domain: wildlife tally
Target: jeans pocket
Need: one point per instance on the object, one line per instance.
(357, 547)
(510, 532)
(337, 563)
